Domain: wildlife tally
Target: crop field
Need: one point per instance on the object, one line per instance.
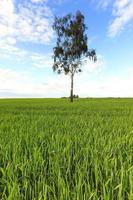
(51, 149)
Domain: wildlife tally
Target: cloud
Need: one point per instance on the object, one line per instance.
(20, 84)
(16, 83)
(41, 61)
(38, 1)
(92, 67)
(7, 74)
(11, 52)
(105, 85)
(37, 60)
(104, 3)
(123, 14)
(101, 3)
(12, 81)
(25, 21)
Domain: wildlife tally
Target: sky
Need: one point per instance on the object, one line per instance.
(27, 41)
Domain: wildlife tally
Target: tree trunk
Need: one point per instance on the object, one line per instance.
(71, 92)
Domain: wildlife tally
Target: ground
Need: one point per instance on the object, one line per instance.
(51, 149)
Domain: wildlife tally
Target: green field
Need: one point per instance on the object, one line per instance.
(51, 149)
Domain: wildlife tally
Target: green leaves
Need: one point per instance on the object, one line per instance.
(50, 150)
(71, 43)
(71, 46)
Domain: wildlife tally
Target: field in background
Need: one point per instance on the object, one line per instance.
(51, 149)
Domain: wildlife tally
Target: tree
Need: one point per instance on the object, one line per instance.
(71, 46)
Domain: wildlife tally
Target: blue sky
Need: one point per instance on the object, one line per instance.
(27, 41)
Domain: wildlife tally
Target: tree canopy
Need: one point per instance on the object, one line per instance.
(71, 46)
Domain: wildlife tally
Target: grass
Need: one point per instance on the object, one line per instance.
(51, 149)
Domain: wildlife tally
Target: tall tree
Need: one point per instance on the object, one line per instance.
(71, 46)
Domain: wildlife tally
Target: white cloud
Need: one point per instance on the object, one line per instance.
(41, 61)
(105, 85)
(104, 3)
(12, 81)
(92, 67)
(20, 84)
(123, 14)
(6, 74)
(26, 22)
(101, 3)
(10, 52)
(38, 1)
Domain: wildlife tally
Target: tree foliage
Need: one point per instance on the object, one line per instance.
(71, 45)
